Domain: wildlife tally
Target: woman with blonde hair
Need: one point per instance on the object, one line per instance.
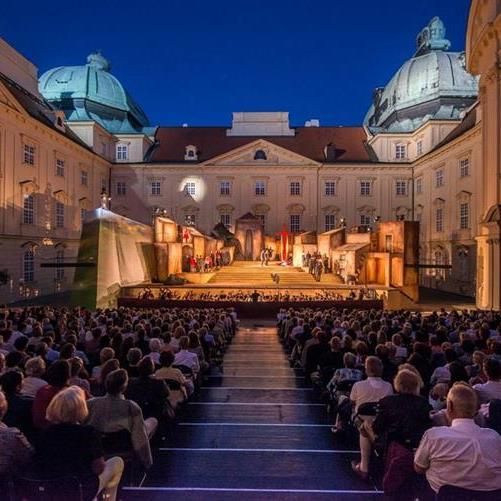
(68, 447)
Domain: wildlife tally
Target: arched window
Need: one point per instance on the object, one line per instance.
(29, 265)
(260, 155)
(440, 258)
(191, 152)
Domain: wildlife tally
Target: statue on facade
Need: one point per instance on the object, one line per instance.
(104, 199)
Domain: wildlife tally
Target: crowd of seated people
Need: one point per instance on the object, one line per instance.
(84, 393)
(418, 393)
(265, 295)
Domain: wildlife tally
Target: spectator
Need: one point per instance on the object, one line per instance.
(492, 388)
(35, 371)
(168, 373)
(58, 376)
(20, 408)
(371, 390)
(462, 454)
(149, 393)
(69, 448)
(76, 371)
(114, 413)
(185, 357)
(15, 450)
(134, 356)
(105, 354)
(155, 348)
(400, 422)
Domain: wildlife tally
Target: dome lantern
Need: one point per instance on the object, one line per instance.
(432, 37)
(98, 61)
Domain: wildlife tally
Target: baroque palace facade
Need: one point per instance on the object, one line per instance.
(428, 150)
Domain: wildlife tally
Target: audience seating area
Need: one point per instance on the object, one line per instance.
(95, 401)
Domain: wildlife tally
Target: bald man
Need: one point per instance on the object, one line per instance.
(462, 454)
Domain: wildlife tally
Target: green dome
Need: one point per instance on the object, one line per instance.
(91, 92)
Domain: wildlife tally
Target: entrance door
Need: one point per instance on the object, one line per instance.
(248, 245)
(187, 254)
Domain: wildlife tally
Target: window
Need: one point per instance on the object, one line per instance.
(190, 188)
(59, 167)
(260, 155)
(365, 188)
(122, 152)
(225, 219)
(401, 188)
(330, 222)
(28, 210)
(419, 147)
(190, 219)
(83, 212)
(29, 154)
(260, 188)
(365, 220)
(439, 219)
(295, 223)
(464, 167)
(330, 188)
(400, 152)
(155, 188)
(59, 215)
(439, 178)
(84, 178)
(190, 153)
(29, 266)
(121, 189)
(59, 262)
(419, 185)
(225, 188)
(440, 260)
(464, 216)
(295, 188)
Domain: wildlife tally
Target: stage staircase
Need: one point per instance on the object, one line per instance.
(252, 274)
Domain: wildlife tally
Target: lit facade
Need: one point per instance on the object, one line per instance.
(418, 156)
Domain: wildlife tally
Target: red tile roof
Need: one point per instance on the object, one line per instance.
(350, 143)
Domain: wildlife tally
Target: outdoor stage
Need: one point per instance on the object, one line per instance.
(231, 286)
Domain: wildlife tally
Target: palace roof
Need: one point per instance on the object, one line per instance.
(321, 144)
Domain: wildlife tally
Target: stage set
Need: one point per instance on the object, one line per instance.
(122, 261)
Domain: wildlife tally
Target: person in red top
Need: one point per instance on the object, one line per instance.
(58, 376)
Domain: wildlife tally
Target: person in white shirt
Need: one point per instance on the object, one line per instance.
(492, 389)
(185, 357)
(372, 389)
(463, 454)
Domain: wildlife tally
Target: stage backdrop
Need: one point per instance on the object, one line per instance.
(120, 251)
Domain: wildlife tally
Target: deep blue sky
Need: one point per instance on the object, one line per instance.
(196, 61)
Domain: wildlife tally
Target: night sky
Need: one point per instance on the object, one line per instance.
(196, 61)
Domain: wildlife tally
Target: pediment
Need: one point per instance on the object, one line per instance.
(9, 100)
(275, 156)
